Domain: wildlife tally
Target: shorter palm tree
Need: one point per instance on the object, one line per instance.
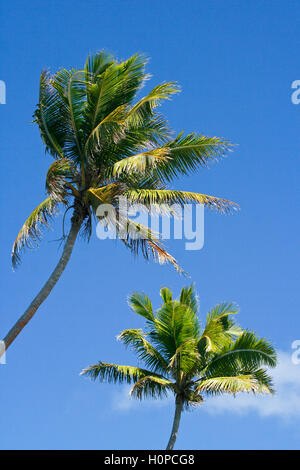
(187, 360)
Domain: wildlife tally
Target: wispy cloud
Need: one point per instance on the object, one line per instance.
(285, 403)
(121, 401)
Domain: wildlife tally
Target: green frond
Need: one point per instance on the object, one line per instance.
(264, 379)
(152, 196)
(146, 352)
(111, 125)
(113, 373)
(185, 359)
(71, 87)
(188, 153)
(151, 387)
(49, 117)
(115, 86)
(214, 337)
(246, 352)
(175, 325)
(220, 328)
(222, 310)
(144, 107)
(96, 64)
(121, 119)
(30, 233)
(189, 297)
(136, 138)
(141, 304)
(103, 195)
(137, 181)
(141, 163)
(240, 383)
(60, 176)
(166, 294)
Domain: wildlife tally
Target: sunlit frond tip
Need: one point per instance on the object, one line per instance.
(31, 231)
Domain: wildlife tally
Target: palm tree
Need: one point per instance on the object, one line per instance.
(106, 145)
(186, 359)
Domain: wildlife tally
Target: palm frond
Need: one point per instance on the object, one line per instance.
(264, 379)
(150, 197)
(112, 88)
(103, 195)
(112, 125)
(232, 384)
(151, 132)
(121, 119)
(140, 239)
(246, 352)
(71, 88)
(137, 237)
(141, 304)
(49, 117)
(60, 176)
(214, 337)
(185, 359)
(151, 387)
(30, 233)
(222, 310)
(146, 352)
(166, 294)
(187, 153)
(162, 256)
(143, 109)
(189, 297)
(175, 325)
(96, 64)
(220, 328)
(115, 373)
(141, 163)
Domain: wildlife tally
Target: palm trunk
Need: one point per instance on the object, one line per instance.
(47, 288)
(177, 416)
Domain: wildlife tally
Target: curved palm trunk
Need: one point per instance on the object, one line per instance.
(177, 416)
(47, 288)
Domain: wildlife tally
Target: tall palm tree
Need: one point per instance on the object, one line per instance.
(106, 145)
(186, 359)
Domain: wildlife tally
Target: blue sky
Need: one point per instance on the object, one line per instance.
(235, 62)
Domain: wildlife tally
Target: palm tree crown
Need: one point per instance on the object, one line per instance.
(105, 145)
(186, 359)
